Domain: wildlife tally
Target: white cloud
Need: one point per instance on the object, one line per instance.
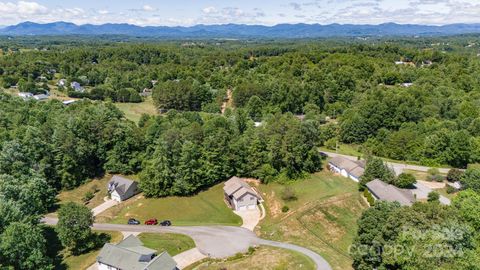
(22, 8)
(148, 8)
(210, 10)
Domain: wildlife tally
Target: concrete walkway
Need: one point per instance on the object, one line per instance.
(188, 257)
(250, 218)
(104, 206)
(212, 241)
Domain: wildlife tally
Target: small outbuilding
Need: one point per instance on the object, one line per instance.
(240, 195)
(121, 188)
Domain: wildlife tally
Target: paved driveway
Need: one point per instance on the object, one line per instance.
(104, 206)
(212, 241)
(250, 218)
(421, 192)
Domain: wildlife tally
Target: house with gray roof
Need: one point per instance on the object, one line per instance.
(240, 195)
(390, 193)
(347, 168)
(121, 188)
(132, 255)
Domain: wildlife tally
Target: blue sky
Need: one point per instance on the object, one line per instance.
(267, 12)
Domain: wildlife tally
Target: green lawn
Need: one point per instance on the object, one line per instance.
(345, 149)
(263, 258)
(205, 208)
(323, 218)
(172, 243)
(133, 111)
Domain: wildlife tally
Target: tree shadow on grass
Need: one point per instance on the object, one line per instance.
(54, 248)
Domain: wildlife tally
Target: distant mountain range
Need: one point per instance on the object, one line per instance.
(239, 30)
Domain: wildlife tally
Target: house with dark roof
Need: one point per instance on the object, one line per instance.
(390, 193)
(347, 168)
(132, 255)
(121, 188)
(240, 195)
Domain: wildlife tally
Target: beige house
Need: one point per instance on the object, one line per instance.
(240, 195)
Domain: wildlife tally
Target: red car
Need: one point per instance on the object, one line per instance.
(152, 221)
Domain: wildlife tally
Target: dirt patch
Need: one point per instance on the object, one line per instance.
(274, 206)
(432, 185)
(252, 181)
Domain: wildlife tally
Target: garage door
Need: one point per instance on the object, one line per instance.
(242, 208)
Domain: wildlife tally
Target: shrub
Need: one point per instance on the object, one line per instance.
(433, 196)
(454, 175)
(405, 180)
(95, 189)
(87, 197)
(369, 197)
(288, 194)
(331, 143)
(285, 209)
(451, 189)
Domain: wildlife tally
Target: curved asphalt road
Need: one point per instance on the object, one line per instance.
(213, 241)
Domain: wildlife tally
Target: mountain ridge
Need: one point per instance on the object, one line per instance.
(285, 30)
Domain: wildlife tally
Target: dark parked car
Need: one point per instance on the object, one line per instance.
(166, 223)
(152, 221)
(133, 221)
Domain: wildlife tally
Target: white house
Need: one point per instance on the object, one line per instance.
(347, 168)
(40, 97)
(68, 102)
(62, 83)
(239, 195)
(121, 188)
(25, 95)
(131, 254)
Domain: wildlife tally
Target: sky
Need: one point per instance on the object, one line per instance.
(265, 12)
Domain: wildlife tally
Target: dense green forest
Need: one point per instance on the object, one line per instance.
(423, 109)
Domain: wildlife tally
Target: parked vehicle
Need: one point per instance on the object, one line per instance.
(133, 221)
(152, 221)
(166, 223)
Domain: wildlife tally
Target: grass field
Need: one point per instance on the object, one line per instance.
(264, 258)
(172, 243)
(205, 208)
(323, 218)
(133, 111)
(64, 260)
(76, 195)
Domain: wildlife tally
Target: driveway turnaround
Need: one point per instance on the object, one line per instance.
(212, 241)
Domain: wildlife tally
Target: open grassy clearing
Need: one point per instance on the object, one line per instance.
(205, 208)
(76, 195)
(263, 258)
(133, 111)
(323, 218)
(64, 260)
(171, 242)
